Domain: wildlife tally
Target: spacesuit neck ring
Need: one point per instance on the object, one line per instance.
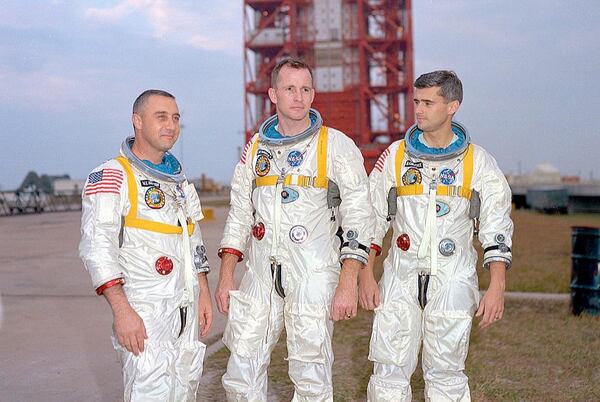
(271, 122)
(418, 149)
(139, 164)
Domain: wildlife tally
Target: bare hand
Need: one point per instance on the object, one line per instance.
(345, 299)
(129, 329)
(205, 311)
(226, 284)
(491, 307)
(368, 291)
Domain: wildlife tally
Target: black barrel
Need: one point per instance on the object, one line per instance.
(585, 279)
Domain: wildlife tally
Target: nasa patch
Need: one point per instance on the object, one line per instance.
(295, 158)
(447, 176)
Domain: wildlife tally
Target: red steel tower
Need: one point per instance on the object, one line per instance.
(361, 52)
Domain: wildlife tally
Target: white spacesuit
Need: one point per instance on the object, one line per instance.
(429, 290)
(139, 226)
(286, 193)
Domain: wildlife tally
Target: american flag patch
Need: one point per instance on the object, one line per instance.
(381, 161)
(246, 148)
(105, 181)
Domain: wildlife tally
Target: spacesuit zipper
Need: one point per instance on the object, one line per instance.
(423, 284)
(183, 319)
(276, 274)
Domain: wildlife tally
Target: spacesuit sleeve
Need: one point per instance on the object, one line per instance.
(355, 208)
(495, 225)
(381, 181)
(104, 200)
(241, 213)
(197, 243)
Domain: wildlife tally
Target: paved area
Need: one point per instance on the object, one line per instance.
(54, 331)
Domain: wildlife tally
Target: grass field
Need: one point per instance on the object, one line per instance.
(541, 252)
(538, 352)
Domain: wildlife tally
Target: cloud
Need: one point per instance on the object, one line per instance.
(214, 25)
(48, 89)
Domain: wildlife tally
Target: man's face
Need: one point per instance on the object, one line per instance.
(293, 94)
(431, 109)
(157, 125)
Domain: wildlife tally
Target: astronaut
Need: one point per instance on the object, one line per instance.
(142, 246)
(432, 186)
(296, 182)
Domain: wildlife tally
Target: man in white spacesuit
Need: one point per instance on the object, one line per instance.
(297, 181)
(433, 186)
(142, 247)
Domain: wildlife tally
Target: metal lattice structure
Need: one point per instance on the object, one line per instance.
(362, 57)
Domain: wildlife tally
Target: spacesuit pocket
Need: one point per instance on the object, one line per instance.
(446, 339)
(148, 376)
(306, 327)
(391, 335)
(247, 324)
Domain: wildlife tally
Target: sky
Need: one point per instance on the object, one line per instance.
(70, 70)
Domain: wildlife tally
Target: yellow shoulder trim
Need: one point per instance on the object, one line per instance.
(321, 180)
(254, 148)
(132, 220)
(398, 163)
(131, 187)
(468, 168)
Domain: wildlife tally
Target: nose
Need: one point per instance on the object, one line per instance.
(298, 95)
(171, 124)
(418, 109)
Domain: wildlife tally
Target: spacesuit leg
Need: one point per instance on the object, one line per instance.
(395, 344)
(309, 330)
(253, 328)
(189, 359)
(447, 325)
(152, 375)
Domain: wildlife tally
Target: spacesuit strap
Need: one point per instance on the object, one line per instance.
(398, 163)
(321, 180)
(131, 219)
(289, 180)
(131, 187)
(468, 168)
(465, 190)
(412, 189)
(254, 147)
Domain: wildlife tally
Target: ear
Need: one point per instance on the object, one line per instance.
(312, 95)
(453, 107)
(136, 120)
(273, 96)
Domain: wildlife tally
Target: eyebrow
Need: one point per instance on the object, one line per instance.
(161, 112)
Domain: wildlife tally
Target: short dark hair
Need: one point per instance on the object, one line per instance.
(140, 101)
(451, 88)
(291, 62)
